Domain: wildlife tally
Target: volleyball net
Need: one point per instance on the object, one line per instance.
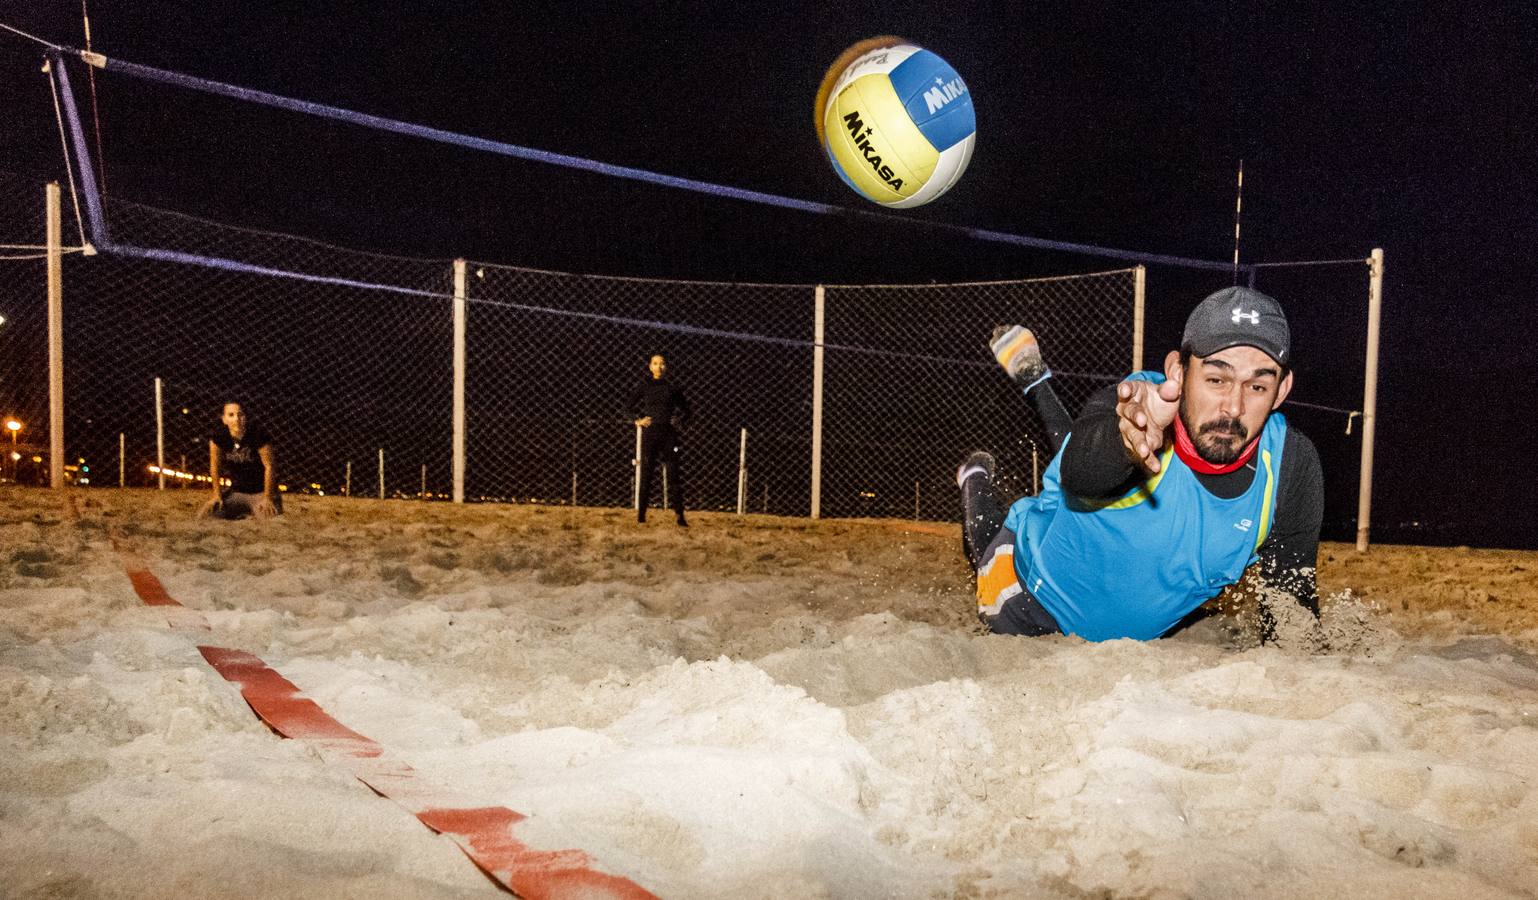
(348, 357)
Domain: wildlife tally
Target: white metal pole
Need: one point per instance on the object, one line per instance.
(1370, 396)
(122, 470)
(1035, 470)
(818, 323)
(55, 235)
(461, 305)
(665, 488)
(381, 473)
(1139, 288)
(635, 487)
(423, 493)
(742, 473)
(160, 434)
(347, 484)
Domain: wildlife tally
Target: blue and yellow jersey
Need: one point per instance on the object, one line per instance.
(1134, 566)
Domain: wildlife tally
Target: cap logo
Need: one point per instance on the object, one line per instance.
(1239, 315)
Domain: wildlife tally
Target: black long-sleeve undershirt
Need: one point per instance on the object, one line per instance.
(1095, 465)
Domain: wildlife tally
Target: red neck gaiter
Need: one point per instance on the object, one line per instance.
(1186, 450)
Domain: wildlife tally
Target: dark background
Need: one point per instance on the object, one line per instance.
(1403, 126)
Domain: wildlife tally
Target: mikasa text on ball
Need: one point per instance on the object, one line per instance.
(896, 121)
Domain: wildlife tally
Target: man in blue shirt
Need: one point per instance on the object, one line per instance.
(1166, 489)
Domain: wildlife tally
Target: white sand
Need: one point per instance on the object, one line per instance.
(756, 707)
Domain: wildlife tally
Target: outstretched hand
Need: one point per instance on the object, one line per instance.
(1144, 411)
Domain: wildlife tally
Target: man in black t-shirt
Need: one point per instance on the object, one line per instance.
(660, 410)
(243, 454)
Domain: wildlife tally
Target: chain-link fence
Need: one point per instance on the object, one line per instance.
(347, 358)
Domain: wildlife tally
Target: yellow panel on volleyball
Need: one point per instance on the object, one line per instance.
(880, 128)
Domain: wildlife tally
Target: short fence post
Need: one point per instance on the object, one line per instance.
(742, 473)
(55, 237)
(635, 502)
(160, 436)
(460, 303)
(1139, 292)
(347, 483)
(818, 323)
(381, 473)
(915, 500)
(423, 493)
(122, 471)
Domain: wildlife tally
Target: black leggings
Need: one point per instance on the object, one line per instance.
(659, 444)
(982, 507)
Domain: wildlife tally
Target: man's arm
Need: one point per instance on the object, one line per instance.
(1290, 553)
(681, 410)
(1095, 462)
(268, 506)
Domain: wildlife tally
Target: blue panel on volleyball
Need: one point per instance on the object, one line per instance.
(842, 174)
(936, 98)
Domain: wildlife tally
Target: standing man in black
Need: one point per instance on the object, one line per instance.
(661, 411)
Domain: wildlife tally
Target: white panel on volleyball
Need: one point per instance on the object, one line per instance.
(948, 170)
(874, 62)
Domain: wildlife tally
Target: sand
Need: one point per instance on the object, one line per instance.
(754, 707)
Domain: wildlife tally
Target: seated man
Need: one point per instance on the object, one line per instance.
(1163, 492)
(244, 454)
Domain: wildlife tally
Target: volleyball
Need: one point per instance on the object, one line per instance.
(896, 122)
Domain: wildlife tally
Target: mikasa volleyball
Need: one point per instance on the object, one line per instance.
(896, 121)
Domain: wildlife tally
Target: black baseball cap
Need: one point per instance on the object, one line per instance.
(1238, 317)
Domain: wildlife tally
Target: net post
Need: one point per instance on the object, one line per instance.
(55, 336)
(1139, 282)
(1370, 396)
(347, 480)
(742, 472)
(381, 473)
(122, 470)
(160, 435)
(460, 308)
(819, 321)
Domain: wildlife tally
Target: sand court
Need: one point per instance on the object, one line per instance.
(755, 707)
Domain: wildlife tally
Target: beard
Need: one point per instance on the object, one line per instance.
(1219, 441)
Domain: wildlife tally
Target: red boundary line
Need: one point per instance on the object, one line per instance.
(484, 833)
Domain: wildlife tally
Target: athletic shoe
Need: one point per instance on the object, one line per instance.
(978, 461)
(1018, 351)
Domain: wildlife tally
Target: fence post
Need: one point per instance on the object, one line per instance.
(381, 473)
(160, 435)
(347, 484)
(1370, 396)
(122, 471)
(422, 494)
(460, 305)
(1139, 293)
(635, 487)
(817, 336)
(915, 499)
(742, 473)
(55, 232)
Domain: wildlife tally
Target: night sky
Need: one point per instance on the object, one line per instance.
(1404, 126)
